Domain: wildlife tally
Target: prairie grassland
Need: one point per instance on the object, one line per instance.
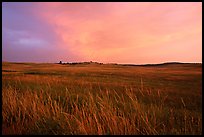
(101, 99)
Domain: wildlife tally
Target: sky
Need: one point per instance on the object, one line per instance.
(107, 32)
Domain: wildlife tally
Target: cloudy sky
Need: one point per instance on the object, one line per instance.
(108, 32)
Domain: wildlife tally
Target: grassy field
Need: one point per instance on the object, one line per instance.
(101, 99)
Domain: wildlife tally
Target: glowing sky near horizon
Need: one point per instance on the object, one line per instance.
(108, 32)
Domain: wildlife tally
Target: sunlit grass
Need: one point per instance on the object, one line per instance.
(100, 100)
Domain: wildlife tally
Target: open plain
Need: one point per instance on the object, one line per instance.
(43, 98)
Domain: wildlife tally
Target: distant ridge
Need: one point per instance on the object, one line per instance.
(160, 64)
(91, 62)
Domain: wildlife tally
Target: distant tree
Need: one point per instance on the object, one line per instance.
(60, 62)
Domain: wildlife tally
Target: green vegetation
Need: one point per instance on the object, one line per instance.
(101, 99)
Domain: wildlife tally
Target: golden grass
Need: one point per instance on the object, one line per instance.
(70, 104)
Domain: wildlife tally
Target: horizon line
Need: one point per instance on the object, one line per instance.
(168, 62)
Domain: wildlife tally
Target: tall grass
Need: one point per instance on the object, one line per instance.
(70, 104)
(105, 112)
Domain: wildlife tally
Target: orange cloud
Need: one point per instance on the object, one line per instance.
(127, 32)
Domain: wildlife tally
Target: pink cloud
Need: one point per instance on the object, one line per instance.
(126, 32)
